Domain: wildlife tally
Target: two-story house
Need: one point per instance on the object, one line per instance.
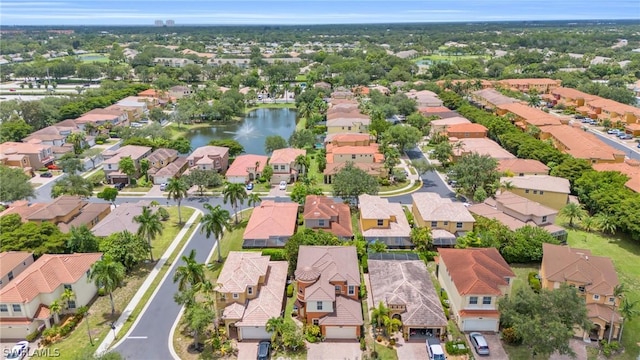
(323, 213)
(594, 277)
(112, 159)
(246, 168)
(165, 164)
(525, 116)
(54, 135)
(103, 117)
(271, 224)
(463, 131)
(180, 91)
(581, 144)
(437, 213)
(25, 301)
(12, 263)
(405, 288)
(40, 155)
(547, 190)
(384, 221)
(542, 86)
(209, 158)
(474, 280)
(283, 162)
(491, 98)
(521, 167)
(250, 291)
(328, 279)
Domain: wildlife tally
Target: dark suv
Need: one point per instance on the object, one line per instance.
(264, 350)
(119, 186)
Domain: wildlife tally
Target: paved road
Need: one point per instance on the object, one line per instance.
(611, 140)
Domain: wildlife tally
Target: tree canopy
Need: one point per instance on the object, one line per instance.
(15, 184)
(351, 182)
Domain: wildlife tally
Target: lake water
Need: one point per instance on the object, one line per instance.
(250, 131)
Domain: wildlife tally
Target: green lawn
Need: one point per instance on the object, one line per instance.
(76, 345)
(91, 57)
(301, 124)
(522, 274)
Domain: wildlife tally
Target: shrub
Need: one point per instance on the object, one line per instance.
(275, 254)
(101, 292)
(99, 142)
(430, 255)
(534, 282)
(101, 137)
(363, 344)
(510, 337)
(392, 341)
(34, 335)
(379, 338)
(453, 349)
(290, 290)
(163, 213)
(312, 333)
(446, 313)
(384, 182)
(609, 349)
(363, 291)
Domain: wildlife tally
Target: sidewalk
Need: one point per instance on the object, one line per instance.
(108, 340)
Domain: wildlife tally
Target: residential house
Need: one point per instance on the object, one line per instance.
(25, 301)
(165, 164)
(468, 83)
(434, 212)
(542, 86)
(521, 167)
(581, 144)
(481, 146)
(515, 212)
(160, 158)
(440, 126)
(405, 288)
(550, 191)
(491, 98)
(241, 63)
(103, 117)
(525, 116)
(439, 111)
(605, 109)
(271, 224)
(54, 135)
(348, 124)
(632, 129)
(209, 158)
(121, 219)
(249, 292)
(344, 149)
(246, 168)
(328, 279)
(474, 280)
(172, 62)
(322, 85)
(110, 165)
(570, 97)
(631, 168)
(136, 107)
(39, 155)
(283, 162)
(12, 263)
(425, 98)
(18, 161)
(465, 131)
(323, 213)
(381, 220)
(348, 139)
(595, 278)
(174, 170)
(180, 91)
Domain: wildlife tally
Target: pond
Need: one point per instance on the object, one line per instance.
(250, 131)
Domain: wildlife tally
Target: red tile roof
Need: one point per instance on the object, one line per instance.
(10, 259)
(286, 156)
(322, 207)
(476, 271)
(526, 166)
(242, 162)
(581, 144)
(470, 128)
(272, 219)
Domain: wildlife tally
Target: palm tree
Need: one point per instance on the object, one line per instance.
(215, 222)
(234, 194)
(150, 226)
(303, 163)
(606, 223)
(589, 223)
(253, 199)
(108, 274)
(628, 311)
(55, 308)
(379, 313)
(67, 295)
(275, 326)
(618, 292)
(177, 190)
(573, 211)
(191, 274)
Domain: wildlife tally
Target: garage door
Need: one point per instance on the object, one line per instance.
(340, 332)
(13, 332)
(480, 325)
(254, 333)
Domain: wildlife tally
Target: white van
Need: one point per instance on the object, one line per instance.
(434, 349)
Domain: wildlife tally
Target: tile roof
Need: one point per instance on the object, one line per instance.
(209, 150)
(347, 137)
(432, 207)
(373, 169)
(491, 212)
(532, 81)
(531, 115)
(133, 151)
(581, 144)
(88, 213)
(603, 312)
(242, 162)
(348, 121)
(162, 154)
(272, 219)
(539, 182)
(632, 171)
(268, 303)
(494, 97)
(518, 166)
(322, 207)
(23, 209)
(240, 270)
(60, 207)
(563, 263)
(407, 283)
(10, 259)
(573, 93)
(471, 128)
(46, 274)
(483, 146)
(173, 168)
(375, 207)
(335, 263)
(10, 147)
(347, 311)
(121, 219)
(523, 205)
(286, 156)
(476, 271)
(614, 106)
(450, 121)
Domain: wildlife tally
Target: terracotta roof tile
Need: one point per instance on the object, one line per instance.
(240, 270)
(286, 156)
(581, 144)
(518, 166)
(322, 207)
(329, 261)
(272, 219)
(10, 259)
(268, 303)
(476, 271)
(539, 182)
(242, 162)
(432, 207)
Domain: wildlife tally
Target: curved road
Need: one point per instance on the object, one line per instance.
(149, 337)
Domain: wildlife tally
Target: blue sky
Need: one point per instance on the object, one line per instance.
(223, 12)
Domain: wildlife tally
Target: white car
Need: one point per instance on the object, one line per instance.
(163, 187)
(18, 351)
(283, 185)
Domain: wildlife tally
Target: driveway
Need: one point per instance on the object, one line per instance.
(344, 350)
(495, 347)
(578, 346)
(247, 349)
(414, 349)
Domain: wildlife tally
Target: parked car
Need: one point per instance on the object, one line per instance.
(613, 131)
(283, 185)
(434, 349)
(46, 175)
(250, 186)
(119, 186)
(479, 343)
(18, 351)
(264, 349)
(638, 145)
(625, 136)
(163, 186)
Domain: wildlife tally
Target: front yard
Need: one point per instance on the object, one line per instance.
(76, 345)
